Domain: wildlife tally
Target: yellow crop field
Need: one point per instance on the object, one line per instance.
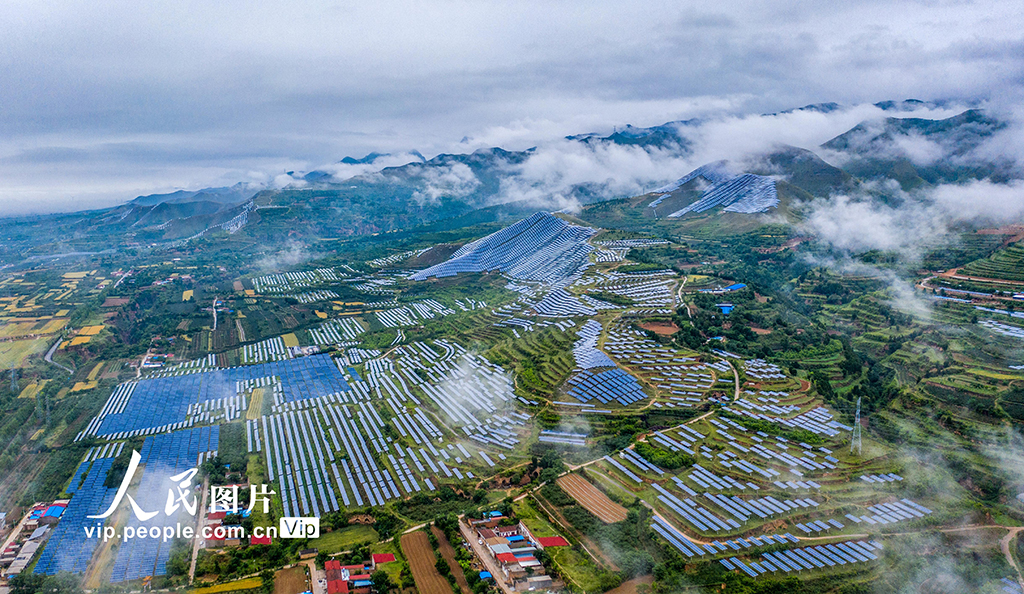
(53, 326)
(320, 314)
(95, 371)
(33, 389)
(15, 352)
(78, 340)
(246, 584)
(82, 386)
(255, 404)
(186, 295)
(17, 329)
(996, 375)
(290, 340)
(75, 275)
(91, 330)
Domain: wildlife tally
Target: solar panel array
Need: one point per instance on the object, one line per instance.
(271, 349)
(331, 452)
(683, 379)
(747, 193)
(287, 282)
(163, 455)
(336, 331)
(745, 479)
(396, 258)
(808, 558)
(1003, 329)
(312, 296)
(412, 314)
(68, 548)
(606, 386)
(156, 405)
(648, 289)
(605, 255)
(714, 173)
(585, 349)
(560, 303)
(541, 248)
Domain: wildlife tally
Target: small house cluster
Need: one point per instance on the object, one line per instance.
(29, 535)
(354, 579)
(514, 547)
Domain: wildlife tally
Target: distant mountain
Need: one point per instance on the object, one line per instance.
(472, 186)
(917, 151)
(663, 136)
(370, 158)
(235, 194)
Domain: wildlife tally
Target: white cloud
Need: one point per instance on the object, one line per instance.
(212, 91)
(911, 223)
(456, 180)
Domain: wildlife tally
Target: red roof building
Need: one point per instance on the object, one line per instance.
(552, 541)
(337, 587)
(383, 558)
(506, 558)
(262, 540)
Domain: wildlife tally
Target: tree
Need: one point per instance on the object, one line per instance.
(26, 583)
(823, 385)
(381, 581)
(267, 575)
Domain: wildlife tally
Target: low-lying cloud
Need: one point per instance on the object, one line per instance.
(455, 180)
(912, 223)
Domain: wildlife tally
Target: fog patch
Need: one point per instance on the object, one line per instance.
(292, 253)
(456, 180)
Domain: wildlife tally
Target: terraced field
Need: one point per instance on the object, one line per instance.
(591, 498)
(1007, 263)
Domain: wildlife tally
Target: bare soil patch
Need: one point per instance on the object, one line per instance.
(663, 328)
(629, 587)
(416, 548)
(448, 552)
(290, 581)
(592, 498)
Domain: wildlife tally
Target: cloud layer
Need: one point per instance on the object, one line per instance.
(105, 100)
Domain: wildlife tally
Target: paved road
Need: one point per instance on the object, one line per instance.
(485, 558)
(197, 540)
(923, 284)
(315, 575)
(49, 357)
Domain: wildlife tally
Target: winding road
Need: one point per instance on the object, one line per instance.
(49, 357)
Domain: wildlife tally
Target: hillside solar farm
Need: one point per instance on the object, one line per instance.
(570, 406)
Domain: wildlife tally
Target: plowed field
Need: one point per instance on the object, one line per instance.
(591, 498)
(416, 548)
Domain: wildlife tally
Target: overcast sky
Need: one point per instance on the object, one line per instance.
(102, 101)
